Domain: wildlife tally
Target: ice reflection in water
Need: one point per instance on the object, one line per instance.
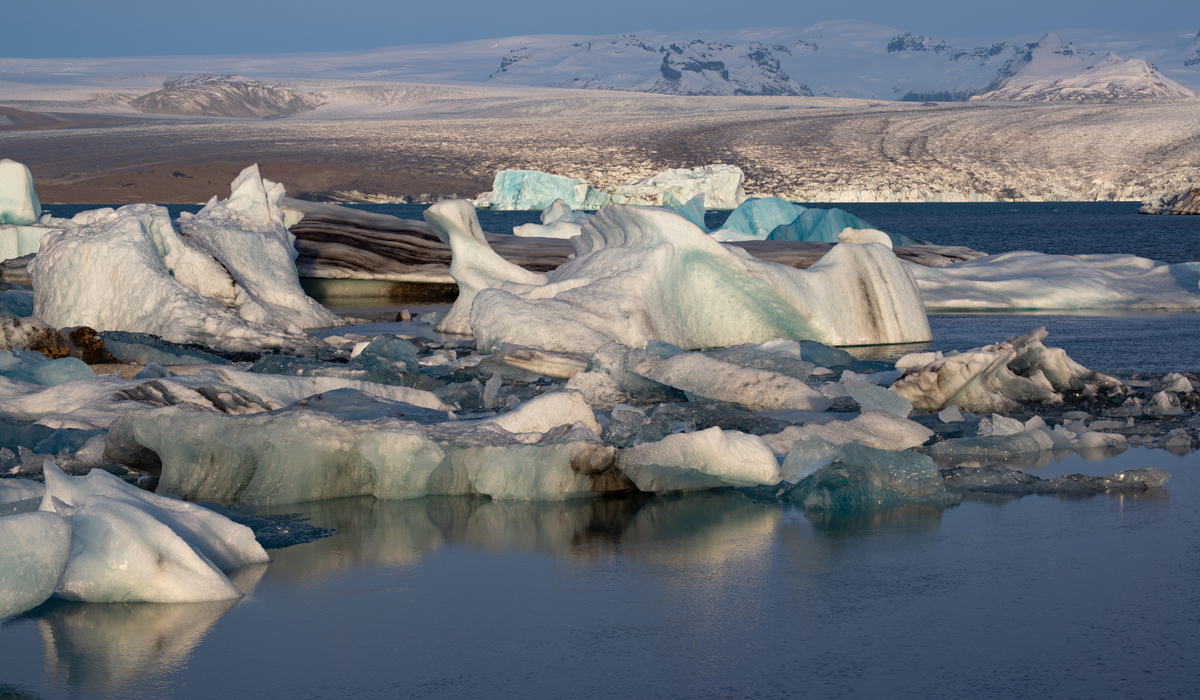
(111, 648)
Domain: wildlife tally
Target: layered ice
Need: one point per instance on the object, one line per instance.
(1001, 377)
(1028, 280)
(230, 282)
(643, 274)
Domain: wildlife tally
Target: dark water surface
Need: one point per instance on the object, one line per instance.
(709, 595)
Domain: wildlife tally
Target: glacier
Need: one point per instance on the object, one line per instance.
(673, 283)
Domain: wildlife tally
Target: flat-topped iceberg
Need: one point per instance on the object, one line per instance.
(640, 274)
(229, 281)
(1029, 280)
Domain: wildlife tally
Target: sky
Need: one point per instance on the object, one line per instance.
(103, 28)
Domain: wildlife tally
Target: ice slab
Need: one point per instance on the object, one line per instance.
(19, 203)
(1028, 280)
(703, 376)
(994, 479)
(999, 378)
(643, 274)
(881, 430)
(863, 478)
(32, 560)
(700, 460)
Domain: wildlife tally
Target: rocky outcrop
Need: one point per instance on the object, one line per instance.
(223, 96)
(1185, 202)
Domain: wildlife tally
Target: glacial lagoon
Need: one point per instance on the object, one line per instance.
(714, 594)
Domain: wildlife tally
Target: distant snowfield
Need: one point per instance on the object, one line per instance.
(1096, 116)
(830, 59)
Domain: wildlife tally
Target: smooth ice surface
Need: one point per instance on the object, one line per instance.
(1029, 280)
(643, 274)
(13, 490)
(878, 429)
(872, 397)
(19, 204)
(701, 460)
(753, 389)
(33, 556)
(755, 219)
(17, 241)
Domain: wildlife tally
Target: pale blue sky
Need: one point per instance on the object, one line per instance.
(75, 28)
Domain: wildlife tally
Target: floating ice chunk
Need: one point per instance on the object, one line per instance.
(549, 364)
(152, 371)
(995, 479)
(19, 241)
(133, 272)
(224, 543)
(19, 204)
(13, 490)
(547, 411)
(554, 229)
(284, 457)
(746, 387)
(50, 373)
(246, 235)
(143, 349)
(917, 360)
(873, 397)
(808, 453)
(387, 350)
(1028, 280)
(863, 478)
(474, 266)
(870, 235)
(693, 211)
(531, 189)
(997, 378)
(32, 559)
(755, 219)
(720, 184)
(950, 414)
(642, 274)
(881, 430)
(776, 360)
(701, 460)
(574, 465)
(825, 225)
(1177, 383)
(994, 446)
(999, 425)
(824, 355)
(1164, 403)
(278, 391)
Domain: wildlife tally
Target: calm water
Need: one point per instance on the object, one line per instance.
(707, 595)
(712, 595)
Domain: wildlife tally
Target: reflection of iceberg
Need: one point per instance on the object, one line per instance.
(112, 648)
(642, 274)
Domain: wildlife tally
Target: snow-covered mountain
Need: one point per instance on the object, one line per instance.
(832, 59)
(696, 67)
(1054, 70)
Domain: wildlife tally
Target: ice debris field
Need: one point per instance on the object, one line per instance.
(153, 365)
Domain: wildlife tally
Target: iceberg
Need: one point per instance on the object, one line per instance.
(228, 283)
(642, 274)
(999, 378)
(532, 189)
(704, 459)
(1028, 280)
(559, 220)
(721, 186)
(705, 377)
(32, 560)
(19, 205)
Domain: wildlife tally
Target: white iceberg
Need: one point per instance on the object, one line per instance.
(999, 378)
(640, 274)
(1028, 280)
(704, 459)
(720, 184)
(229, 282)
(19, 205)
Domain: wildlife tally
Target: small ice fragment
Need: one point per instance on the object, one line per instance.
(950, 414)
